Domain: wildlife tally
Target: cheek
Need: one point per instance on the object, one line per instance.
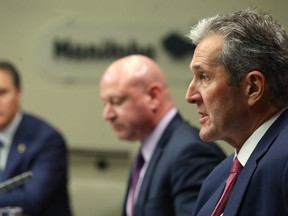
(129, 114)
(10, 101)
(225, 111)
(12, 107)
(216, 104)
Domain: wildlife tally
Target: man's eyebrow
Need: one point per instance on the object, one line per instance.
(197, 67)
(3, 89)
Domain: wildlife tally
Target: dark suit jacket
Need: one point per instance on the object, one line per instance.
(45, 155)
(262, 187)
(176, 171)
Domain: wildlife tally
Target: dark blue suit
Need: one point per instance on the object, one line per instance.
(262, 187)
(178, 166)
(45, 155)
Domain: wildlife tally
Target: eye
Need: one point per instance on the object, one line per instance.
(3, 91)
(117, 101)
(204, 77)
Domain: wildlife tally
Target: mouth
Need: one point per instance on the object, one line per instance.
(117, 127)
(203, 117)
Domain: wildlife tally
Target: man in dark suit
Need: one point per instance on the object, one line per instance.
(139, 107)
(30, 144)
(240, 87)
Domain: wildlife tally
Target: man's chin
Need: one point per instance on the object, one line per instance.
(122, 137)
(127, 138)
(206, 135)
(2, 125)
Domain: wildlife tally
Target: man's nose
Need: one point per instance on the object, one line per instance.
(192, 94)
(108, 112)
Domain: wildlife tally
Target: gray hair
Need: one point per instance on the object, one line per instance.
(252, 40)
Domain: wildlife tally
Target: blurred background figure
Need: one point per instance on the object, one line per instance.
(172, 160)
(30, 144)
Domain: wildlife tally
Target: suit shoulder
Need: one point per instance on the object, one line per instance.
(185, 138)
(36, 123)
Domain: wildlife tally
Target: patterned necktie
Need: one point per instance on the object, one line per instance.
(230, 182)
(137, 166)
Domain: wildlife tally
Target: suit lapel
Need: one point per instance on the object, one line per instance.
(14, 158)
(17, 151)
(239, 190)
(220, 180)
(143, 193)
(208, 207)
(148, 176)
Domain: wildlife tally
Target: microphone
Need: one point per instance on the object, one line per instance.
(16, 181)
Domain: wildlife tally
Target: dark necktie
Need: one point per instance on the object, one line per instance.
(230, 182)
(137, 166)
(1, 146)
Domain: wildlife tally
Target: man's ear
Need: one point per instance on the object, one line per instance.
(255, 86)
(155, 95)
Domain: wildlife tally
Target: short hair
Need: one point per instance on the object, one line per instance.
(252, 40)
(12, 70)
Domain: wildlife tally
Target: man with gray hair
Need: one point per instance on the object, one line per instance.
(240, 87)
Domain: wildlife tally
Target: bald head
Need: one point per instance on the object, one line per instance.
(137, 69)
(139, 82)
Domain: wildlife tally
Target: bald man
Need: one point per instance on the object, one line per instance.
(139, 107)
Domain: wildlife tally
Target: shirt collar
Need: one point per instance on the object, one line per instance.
(150, 143)
(7, 134)
(251, 143)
